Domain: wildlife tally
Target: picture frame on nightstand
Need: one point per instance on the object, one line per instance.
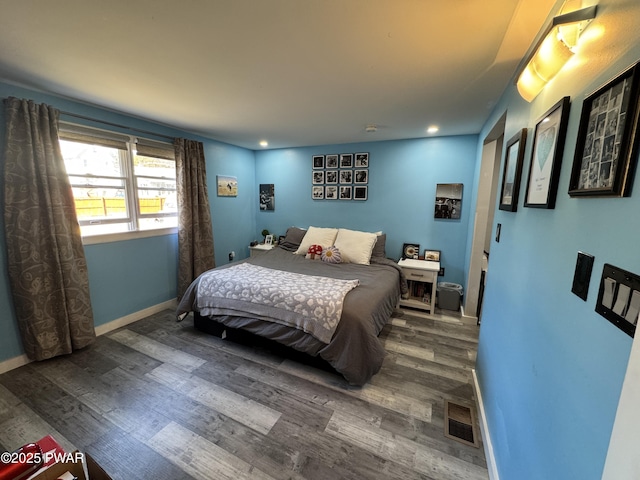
(432, 255)
(410, 250)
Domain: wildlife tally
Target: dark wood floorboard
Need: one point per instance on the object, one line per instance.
(158, 399)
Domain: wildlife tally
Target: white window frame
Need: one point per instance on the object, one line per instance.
(134, 215)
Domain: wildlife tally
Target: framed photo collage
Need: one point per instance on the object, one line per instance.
(342, 176)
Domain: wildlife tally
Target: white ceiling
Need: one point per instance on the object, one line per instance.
(293, 72)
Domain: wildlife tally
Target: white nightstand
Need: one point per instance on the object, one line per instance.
(259, 249)
(422, 279)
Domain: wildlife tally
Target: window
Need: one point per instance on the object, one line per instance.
(120, 183)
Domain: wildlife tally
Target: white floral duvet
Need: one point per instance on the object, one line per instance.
(307, 302)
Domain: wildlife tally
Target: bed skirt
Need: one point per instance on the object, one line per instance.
(206, 325)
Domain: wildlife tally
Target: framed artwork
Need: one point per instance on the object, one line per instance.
(331, 161)
(227, 186)
(511, 172)
(345, 193)
(432, 255)
(346, 176)
(546, 156)
(268, 240)
(331, 192)
(318, 161)
(362, 160)
(361, 176)
(410, 250)
(448, 200)
(317, 193)
(318, 177)
(607, 143)
(267, 197)
(331, 176)
(360, 193)
(346, 160)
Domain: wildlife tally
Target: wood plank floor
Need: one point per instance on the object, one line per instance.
(159, 400)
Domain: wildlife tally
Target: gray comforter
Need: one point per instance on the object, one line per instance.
(354, 350)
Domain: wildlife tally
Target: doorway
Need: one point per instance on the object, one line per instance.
(483, 219)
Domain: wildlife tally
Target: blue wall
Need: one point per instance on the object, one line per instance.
(550, 368)
(129, 276)
(402, 185)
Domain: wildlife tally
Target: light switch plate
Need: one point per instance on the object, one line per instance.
(582, 275)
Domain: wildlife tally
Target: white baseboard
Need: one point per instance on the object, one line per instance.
(484, 430)
(14, 362)
(134, 317)
(21, 360)
(468, 319)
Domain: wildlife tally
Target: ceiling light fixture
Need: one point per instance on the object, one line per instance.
(264, 143)
(432, 129)
(555, 47)
(371, 128)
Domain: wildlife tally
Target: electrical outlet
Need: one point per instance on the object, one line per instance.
(441, 272)
(232, 255)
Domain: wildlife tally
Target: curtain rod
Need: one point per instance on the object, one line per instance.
(69, 114)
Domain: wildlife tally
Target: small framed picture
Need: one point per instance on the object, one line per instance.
(268, 240)
(432, 255)
(511, 172)
(410, 250)
(362, 160)
(227, 186)
(331, 192)
(345, 193)
(361, 176)
(607, 144)
(448, 200)
(346, 160)
(331, 161)
(360, 193)
(318, 177)
(346, 176)
(318, 161)
(267, 197)
(331, 176)
(317, 193)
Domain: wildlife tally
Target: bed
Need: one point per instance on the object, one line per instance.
(372, 286)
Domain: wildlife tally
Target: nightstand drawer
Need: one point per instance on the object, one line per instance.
(416, 274)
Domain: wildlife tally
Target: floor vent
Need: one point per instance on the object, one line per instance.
(460, 423)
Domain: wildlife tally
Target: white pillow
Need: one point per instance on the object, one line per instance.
(317, 236)
(355, 246)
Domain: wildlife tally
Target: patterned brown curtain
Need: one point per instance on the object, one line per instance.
(45, 258)
(195, 230)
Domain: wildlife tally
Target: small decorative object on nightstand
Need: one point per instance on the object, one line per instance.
(259, 249)
(420, 274)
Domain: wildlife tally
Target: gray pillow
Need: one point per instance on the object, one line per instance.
(292, 239)
(379, 247)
